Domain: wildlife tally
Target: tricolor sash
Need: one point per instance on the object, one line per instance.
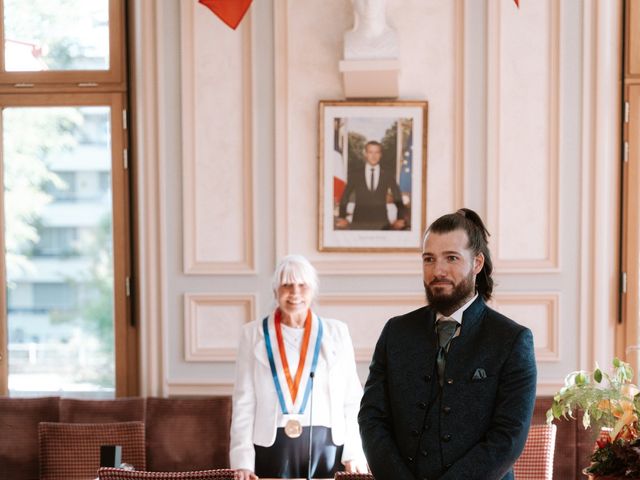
(285, 396)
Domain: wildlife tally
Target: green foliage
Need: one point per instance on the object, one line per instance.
(27, 175)
(600, 396)
(58, 30)
(356, 144)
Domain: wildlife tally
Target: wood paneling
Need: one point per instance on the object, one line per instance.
(213, 325)
(523, 131)
(217, 150)
(540, 312)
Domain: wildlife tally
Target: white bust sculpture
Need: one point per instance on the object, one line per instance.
(371, 37)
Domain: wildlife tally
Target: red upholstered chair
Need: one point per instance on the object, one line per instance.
(70, 451)
(118, 474)
(73, 410)
(353, 476)
(19, 419)
(188, 434)
(536, 461)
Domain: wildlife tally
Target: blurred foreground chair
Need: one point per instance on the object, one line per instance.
(536, 461)
(72, 450)
(353, 476)
(106, 473)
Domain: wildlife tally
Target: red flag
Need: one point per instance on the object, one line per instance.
(517, 3)
(229, 11)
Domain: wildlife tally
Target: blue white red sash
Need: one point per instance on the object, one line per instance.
(277, 370)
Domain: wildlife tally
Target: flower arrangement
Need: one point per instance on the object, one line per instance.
(612, 404)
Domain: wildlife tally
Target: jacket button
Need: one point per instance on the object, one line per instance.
(446, 438)
(415, 433)
(449, 381)
(426, 427)
(424, 453)
(410, 459)
(427, 378)
(446, 409)
(422, 405)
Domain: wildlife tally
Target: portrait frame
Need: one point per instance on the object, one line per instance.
(384, 212)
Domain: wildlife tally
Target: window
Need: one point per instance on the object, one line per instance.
(64, 204)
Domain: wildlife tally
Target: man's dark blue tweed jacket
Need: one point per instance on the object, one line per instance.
(476, 426)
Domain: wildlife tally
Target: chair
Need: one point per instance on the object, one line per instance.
(19, 419)
(72, 450)
(536, 461)
(108, 473)
(353, 476)
(187, 434)
(75, 410)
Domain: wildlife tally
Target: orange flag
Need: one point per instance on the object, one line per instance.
(230, 12)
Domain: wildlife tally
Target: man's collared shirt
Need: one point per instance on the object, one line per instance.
(376, 176)
(457, 315)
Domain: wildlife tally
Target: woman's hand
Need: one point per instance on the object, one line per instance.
(245, 474)
(351, 466)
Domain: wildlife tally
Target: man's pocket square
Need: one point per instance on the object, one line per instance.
(479, 374)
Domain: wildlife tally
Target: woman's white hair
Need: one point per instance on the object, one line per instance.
(295, 269)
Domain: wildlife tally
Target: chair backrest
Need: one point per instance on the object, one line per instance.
(188, 434)
(536, 461)
(72, 450)
(353, 476)
(107, 473)
(113, 410)
(19, 419)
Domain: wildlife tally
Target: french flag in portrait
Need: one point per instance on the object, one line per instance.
(338, 166)
(404, 181)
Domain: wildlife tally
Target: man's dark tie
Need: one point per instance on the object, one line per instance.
(372, 180)
(446, 329)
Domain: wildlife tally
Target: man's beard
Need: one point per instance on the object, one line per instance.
(447, 303)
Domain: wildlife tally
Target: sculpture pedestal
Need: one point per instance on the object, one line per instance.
(370, 78)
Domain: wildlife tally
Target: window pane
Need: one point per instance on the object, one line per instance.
(56, 35)
(59, 250)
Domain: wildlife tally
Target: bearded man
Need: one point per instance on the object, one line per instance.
(451, 385)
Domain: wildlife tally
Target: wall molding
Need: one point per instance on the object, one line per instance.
(331, 263)
(549, 387)
(600, 185)
(551, 302)
(193, 264)
(149, 99)
(551, 262)
(405, 301)
(193, 349)
(459, 106)
(193, 387)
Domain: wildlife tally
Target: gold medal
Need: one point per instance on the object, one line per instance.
(293, 428)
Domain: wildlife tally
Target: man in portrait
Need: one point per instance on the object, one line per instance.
(370, 186)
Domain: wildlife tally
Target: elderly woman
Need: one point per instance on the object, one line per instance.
(295, 369)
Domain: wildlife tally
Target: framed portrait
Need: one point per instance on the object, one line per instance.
(372, 175)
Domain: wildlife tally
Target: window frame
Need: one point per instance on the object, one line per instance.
(40, 80)
(87, 88)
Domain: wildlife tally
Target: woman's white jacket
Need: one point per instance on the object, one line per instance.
(255, 402)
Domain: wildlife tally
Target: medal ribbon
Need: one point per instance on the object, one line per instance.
(272, 363)
(293, 384)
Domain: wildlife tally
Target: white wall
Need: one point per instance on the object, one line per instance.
(522, 128)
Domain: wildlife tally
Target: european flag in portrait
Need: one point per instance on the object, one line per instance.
(405, 170)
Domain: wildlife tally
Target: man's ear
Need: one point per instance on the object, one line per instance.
(478, 263)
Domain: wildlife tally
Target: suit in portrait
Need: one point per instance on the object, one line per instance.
(476, 426)
(370, 212)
